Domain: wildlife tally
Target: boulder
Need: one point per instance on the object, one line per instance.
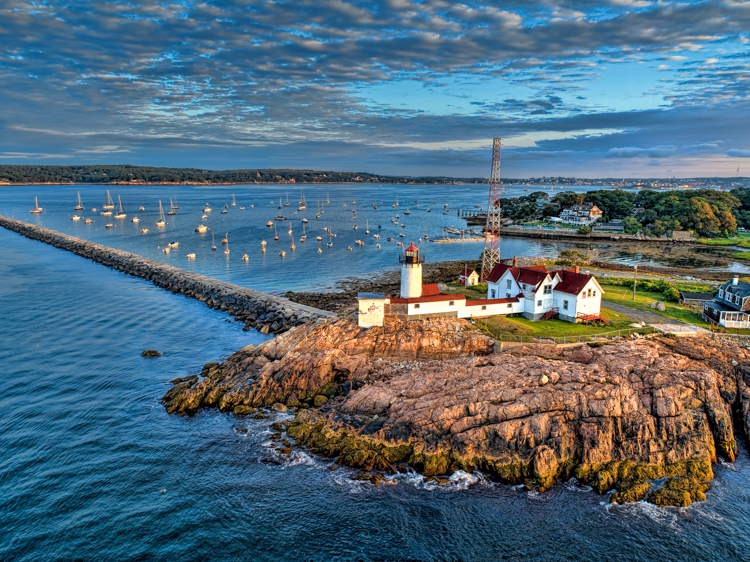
(150, 353)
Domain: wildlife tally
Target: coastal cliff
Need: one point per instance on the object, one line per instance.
(646, 418)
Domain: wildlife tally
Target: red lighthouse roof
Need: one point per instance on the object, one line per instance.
(412, 248)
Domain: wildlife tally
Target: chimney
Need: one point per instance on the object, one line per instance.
(735, 280)
(578, 269)
(515, 261)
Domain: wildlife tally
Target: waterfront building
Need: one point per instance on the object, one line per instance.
(731, 306)
(582, 215)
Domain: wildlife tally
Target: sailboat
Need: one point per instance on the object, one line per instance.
(290, 229)
(328, 200)
(287, 200)
(162, 220)
(275, 232)
(367, 226)
(317, 214)
(79, 207)
(213, 242)
(226, 250)
(234, 203)
(37, 210)
(225, 241)
(174, 205)
(304, 236)
(302, 203)
(330, 241)
(120, 215)
(108, 203)
(172, 208)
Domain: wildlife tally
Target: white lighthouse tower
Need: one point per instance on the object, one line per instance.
(411, 272)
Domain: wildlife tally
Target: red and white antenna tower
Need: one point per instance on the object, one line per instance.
(491, 255)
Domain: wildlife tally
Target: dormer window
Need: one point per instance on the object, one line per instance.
(721, 293)
(737, 299)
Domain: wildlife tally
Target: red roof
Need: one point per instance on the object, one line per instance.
(529, 275)
(572, 283)
(491, 301)
(433, 298)
(497, 272)
(412, 248)
(467, 271)
(430, 290)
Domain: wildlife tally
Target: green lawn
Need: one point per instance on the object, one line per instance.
(741, 240)
(643, 299)
(520, 326)
(741, 255)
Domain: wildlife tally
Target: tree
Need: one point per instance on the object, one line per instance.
(631, 225)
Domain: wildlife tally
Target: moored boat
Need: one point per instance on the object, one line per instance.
(191, 256)
(79, 207)
(162, 220)
(75, 218)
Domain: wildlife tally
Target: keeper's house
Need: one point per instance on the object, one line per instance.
(567, 294)
(730, 308)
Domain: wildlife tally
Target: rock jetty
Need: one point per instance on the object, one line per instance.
(646, 418)
(266, 313)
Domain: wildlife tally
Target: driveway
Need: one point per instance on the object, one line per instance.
(641, 315)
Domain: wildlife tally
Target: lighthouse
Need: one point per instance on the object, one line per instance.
(411, 272)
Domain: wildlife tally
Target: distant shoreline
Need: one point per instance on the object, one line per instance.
(2, 184)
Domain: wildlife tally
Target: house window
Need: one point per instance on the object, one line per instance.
(594, 293)
(539, 303)
(416, 305)
(721, 293)
(507, 295)
(509, 284)
(450, 303)
(484, 307)
(737, 300)
(589, 292)
(548, 289)
(565, 305)
(510, 305)
(493, 293)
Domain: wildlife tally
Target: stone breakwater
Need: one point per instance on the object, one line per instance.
(646, 418)
(266, 313)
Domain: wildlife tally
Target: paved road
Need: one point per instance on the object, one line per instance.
(641, 315)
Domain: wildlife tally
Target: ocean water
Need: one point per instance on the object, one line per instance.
(92, 468)
(303, 268)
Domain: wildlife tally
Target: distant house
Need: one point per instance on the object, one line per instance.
(614, 227)
(730, 308)
(468, 277)
(568, 294)
(582, 215)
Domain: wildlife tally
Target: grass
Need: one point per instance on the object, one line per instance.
(643, 299)
(472, 293)
(741, 255)
(739, 240)
(520, 326)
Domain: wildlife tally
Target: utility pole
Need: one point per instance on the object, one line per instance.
(491, 256)
(635, 280)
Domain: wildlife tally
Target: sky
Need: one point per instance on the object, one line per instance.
(609, 88)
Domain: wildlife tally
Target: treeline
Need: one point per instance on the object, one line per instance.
(706, 212)
(147, 174)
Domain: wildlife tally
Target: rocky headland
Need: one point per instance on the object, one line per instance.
(644, 417)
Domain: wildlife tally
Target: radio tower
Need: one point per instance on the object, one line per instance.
(491, 255)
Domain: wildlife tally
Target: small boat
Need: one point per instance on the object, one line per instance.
(398, 216)
(243, 208)
(106, 213)
(355, 227)
(293, 246)
(162, 220)
(172, 208)
(94, 210)
(407, 212)
(144, 230)
(135, 219)
(305, 221)
(279, 218)
(263, 243)
(304, 236)
(108, 203)
(282, 253)
(269, 224)
(344, 204)
(360, 243)
(333, 234)
(121, 214)
(402, 235)
(328, 201)
(245, 257)
(326, 229)
(207, 208)
(290, 229)
(173, 244)
(75, 218)
(234, 204)
(142, 208)
(376, 236)
(263, 249)
(204, 216)
(109, 225)
(79, 207)
(166, 250)
(367, 226)
(302, 203)
(191, 256)
(174, 205)
(319, 238)
(400, 243)
(330, 242)
(287, 200)
(349, 248)
(226, 241)
(88, 221)
(389, 239)
(320, 250)
(403, 225)
(224, 211)
(201, 228)
(275, 233)
(426, 237)
(429, 210)
(213, 242)
(378, 246)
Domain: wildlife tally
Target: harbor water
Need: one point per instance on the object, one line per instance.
(92, 468)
